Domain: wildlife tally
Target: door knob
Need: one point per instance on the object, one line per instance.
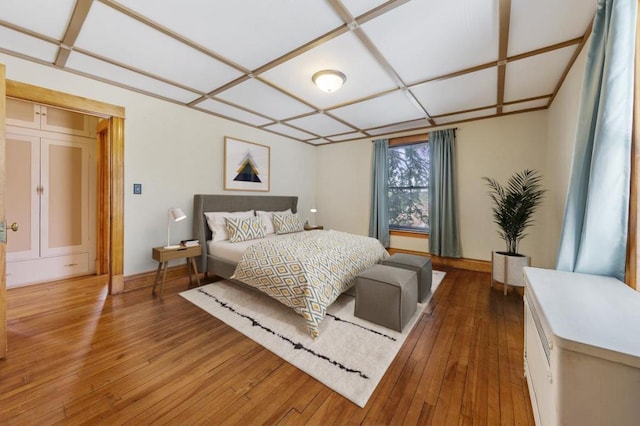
(14, 227)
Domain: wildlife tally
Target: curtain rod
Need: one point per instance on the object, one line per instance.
(450, 128)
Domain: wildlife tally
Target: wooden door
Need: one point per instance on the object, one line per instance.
(3, 242)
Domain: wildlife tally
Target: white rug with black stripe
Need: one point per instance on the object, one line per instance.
(350, 355)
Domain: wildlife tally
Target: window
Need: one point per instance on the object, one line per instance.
(409, 186)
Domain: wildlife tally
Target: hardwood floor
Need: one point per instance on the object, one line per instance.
(78, 356)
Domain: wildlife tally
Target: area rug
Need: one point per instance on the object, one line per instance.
(350, 355)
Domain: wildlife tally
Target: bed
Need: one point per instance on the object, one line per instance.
(305, 271)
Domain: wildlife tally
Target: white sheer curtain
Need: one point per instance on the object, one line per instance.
(594, 234)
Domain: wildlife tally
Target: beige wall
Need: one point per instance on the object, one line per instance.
(498, 148)
(343, 181)
(174, 152)
(495, 147)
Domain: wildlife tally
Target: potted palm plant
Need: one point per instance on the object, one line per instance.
(513, 208)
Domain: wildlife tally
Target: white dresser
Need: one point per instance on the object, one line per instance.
(581, 349)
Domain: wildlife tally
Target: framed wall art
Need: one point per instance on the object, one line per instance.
(246, 165)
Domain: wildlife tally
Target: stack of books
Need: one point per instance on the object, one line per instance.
(188, 243)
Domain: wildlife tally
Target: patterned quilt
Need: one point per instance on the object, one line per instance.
(307, 271)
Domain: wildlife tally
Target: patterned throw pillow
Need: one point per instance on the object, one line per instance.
(218, 226)
(267, 219)
(244, 228)
(287, 223)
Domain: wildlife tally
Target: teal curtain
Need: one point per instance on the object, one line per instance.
(594, 230)
(444, 238)
(379, 220)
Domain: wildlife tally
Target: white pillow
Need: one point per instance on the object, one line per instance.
(218, 226)
(267, 219)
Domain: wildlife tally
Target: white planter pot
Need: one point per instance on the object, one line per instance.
(508, 269)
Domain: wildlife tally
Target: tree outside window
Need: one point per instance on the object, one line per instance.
(409, 187)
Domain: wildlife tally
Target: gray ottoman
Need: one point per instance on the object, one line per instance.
(386, 296)
(420, 264)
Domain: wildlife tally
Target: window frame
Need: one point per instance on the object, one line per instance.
(403, 141)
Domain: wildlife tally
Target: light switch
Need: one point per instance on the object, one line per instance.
(137, 188)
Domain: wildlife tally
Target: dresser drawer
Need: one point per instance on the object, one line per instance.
(537, 368)
(34, 271)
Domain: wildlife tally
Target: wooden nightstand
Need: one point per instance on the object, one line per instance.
(164, 255)
(312, 228)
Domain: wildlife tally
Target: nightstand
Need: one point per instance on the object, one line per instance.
(164, 255)
(312, 228)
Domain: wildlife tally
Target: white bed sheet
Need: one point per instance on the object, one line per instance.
(232, 252)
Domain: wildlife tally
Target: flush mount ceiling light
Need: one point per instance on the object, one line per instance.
(329, 80)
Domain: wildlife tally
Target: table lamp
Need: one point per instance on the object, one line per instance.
(313, 216)
(175, 215)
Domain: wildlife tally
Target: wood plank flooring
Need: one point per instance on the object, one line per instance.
(77, 356)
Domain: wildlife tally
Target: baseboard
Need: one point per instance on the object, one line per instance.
(461, 263)
(145, 279)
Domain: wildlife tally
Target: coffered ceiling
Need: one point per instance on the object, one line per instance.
(409, 64)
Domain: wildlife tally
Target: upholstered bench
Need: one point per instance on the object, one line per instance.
(386, 295)
(420, 264)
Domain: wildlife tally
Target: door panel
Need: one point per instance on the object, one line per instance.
(60, 120)
(22, 172)
(23, 114)
(65, 200)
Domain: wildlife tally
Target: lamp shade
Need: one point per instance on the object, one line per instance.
(329, 80)
(313, 211)
(176, 214)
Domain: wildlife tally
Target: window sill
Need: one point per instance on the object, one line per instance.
(410, 234)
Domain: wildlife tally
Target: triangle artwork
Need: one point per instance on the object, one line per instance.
(248, 171)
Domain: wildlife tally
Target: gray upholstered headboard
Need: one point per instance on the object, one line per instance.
(231, 203)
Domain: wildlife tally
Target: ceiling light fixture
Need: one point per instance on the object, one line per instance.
(329, 80)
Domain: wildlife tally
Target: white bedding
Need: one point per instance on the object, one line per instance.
(307, 271)
(232, 252)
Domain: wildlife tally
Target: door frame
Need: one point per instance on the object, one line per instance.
(3, 243)
(110, 190)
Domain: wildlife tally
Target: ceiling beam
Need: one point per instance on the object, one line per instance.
(278, 61)
(240, 107)
(380, 10)
(211, 94)
(302, 49)
(561, 45)
(79, 15)
(136, 70)
(504, 19)
(28, 32)
(166, 31)
(583, 42)
(455, 73)
(344, 14)
(348, 19)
